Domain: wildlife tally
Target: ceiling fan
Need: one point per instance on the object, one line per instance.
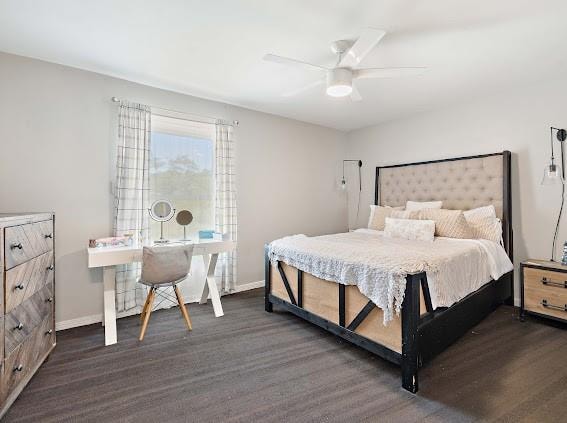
(340, 78)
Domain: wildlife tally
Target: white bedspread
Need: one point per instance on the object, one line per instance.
(379, 265)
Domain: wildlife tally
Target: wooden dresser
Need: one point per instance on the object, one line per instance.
(544, 289)
(27, 269)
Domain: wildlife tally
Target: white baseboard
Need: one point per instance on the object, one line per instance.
(97, 318)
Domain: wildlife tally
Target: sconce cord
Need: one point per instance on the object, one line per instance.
(562, 199)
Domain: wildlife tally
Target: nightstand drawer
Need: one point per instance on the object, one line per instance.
(545, 292)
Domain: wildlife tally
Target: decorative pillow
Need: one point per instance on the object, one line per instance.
(418, 230)
(480, 212)
(484, 223)
(405, 214)
(448, 223)
(378, 214)
(420, 205)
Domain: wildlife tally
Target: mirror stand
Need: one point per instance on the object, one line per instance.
(161, 239)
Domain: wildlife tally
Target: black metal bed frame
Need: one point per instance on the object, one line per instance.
(423, 337)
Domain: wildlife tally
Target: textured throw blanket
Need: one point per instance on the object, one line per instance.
(376, 264)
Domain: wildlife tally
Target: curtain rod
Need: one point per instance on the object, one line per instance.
(195, 118)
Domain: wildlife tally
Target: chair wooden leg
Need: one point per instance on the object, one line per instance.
(182, 307)
(148, 312)
(144, 308)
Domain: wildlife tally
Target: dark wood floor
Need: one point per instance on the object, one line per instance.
(253, 366)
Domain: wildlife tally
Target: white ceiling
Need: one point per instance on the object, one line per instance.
(214, 49)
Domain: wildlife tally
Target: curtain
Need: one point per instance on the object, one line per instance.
(131, 194)
(225, 203)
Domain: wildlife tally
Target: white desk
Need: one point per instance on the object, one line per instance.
(109, 257)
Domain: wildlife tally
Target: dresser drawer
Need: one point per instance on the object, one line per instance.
(24, 242)
(24, 359)
(27, 278)
(21, 322)
(545, 292)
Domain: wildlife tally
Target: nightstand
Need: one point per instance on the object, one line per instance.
(544, 289)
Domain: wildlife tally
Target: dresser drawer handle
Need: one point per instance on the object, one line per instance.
(549, 282)
(49, 332)
(19, 368)
(49, 300)
(49, 236)
(553, 306)
(50, 267)
(19, 246)
(19, 327)
(19, 286)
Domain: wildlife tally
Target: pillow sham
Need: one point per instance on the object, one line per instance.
(415, 230)
(487, 228)
(378, 215)
(420, 205)
(448, 223)
(480, 212)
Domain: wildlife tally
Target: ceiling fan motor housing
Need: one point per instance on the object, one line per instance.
(339, 82)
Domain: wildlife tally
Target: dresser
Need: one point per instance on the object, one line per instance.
(544, 289)
(27, 269)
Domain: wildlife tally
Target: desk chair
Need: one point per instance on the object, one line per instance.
(164, 267)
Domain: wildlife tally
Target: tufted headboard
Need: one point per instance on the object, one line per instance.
(462, 183)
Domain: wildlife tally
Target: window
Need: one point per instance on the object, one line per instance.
(181, 171)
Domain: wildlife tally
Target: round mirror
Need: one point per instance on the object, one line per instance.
(184, 217)
(162, 210)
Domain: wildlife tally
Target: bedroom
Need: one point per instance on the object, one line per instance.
(108, 107)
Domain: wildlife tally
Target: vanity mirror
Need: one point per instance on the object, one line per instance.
(161, 211)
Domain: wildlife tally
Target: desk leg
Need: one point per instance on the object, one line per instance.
(210, 262)
(109, 276)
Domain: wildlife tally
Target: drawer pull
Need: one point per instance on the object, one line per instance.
(549, 282)
(19, 368)
(49, 332)
(19, 327)
(49, 236)
(49, 300)
(19, 246)
(19, 286)
(53, 267)
(553, 306)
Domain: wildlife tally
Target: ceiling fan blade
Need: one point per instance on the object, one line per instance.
(355, 95)
(388, 72)
(293, 62)
(303, 89)
(366, 42)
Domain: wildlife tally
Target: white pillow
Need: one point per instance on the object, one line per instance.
(484, 211)
(415, 230)
(378, 214)
(484, 223)
(420, 205)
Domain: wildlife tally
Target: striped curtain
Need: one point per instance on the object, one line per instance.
(131, 194)
(225, 203)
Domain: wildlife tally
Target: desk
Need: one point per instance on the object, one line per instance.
(109, 257)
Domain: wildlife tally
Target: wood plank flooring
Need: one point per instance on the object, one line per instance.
(253, 366)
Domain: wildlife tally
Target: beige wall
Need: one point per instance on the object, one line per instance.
(56, 125)
(518, 121)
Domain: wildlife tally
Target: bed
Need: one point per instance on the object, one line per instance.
(421, 329)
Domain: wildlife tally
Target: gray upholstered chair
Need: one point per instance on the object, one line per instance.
(164, 267)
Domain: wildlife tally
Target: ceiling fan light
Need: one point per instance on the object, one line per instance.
(339, 90)
(339, 82)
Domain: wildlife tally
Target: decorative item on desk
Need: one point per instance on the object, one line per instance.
(184, 217)
(206, 234)
(564, 258)
(113, 241)
(161, 211)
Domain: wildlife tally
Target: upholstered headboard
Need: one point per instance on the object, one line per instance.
(462, 183)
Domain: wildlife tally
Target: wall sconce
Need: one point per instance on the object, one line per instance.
(554, 174)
